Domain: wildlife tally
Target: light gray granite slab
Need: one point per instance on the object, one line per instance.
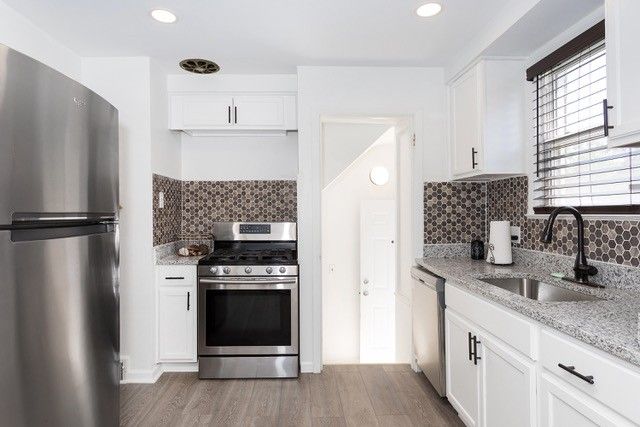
(447, 250)
(167, 254)
(610, 324)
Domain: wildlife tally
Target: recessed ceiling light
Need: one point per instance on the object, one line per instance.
(163, 16)
(429, 9)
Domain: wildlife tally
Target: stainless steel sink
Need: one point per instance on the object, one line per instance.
(539, 291)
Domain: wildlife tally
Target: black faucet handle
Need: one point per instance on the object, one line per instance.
(584, 271)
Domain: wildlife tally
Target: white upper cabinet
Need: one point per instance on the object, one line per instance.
(200, 111)
(623, 71)
(206, 114)
(486, 119)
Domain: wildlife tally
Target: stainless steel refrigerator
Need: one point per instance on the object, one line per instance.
(59, 322)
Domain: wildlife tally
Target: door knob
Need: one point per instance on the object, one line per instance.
(365, 293)
(365, 281)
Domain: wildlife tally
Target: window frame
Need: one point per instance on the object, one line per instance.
(573, 47)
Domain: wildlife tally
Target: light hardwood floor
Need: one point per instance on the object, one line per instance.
(342, 395)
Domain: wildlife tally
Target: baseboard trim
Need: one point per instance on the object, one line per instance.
(179, 366)
(141, 376)
(152, 375)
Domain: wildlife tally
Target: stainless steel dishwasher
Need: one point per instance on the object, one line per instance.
(428, 326)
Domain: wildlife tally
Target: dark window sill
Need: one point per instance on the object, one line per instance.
(603, 210)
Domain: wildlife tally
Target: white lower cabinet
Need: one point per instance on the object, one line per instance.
(176, 317)
(488, 383)
(463, 376)
(506, 370)
(562, 405)
(508, 386)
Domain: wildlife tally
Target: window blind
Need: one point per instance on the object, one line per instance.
(573, 164)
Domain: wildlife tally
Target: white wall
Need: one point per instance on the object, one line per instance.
(20, 34)
(341, 241)
(343, 143)
(361, 91)
(185, 83)
(126, 83)
(166, 150)
(240, 158)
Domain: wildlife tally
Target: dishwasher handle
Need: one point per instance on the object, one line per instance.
(431, 281)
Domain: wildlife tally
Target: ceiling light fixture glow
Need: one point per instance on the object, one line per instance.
(429, 9)
(164, 16)
(379, 175)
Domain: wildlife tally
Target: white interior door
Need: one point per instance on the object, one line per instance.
(377, 281)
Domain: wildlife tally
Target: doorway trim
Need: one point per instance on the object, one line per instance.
(310, 214)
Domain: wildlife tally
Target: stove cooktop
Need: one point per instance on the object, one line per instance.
(250, 257)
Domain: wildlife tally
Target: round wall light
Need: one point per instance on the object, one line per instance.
(429, 9)
(379, 175)
(164, 16)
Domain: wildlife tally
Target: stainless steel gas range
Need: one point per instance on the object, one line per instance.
(248, 302)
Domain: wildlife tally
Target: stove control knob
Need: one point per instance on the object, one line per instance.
(283, 270)
(247, 270)
(213, 270)
(269, 270)
(226, 270)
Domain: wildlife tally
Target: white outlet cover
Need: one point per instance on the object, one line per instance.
(161, 199)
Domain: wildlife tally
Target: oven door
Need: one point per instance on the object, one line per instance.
(240, 316)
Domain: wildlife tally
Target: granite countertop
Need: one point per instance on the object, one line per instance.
(173, 259)
(610, 325)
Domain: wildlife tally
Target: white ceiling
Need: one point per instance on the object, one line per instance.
(264, 36)
(268, 36)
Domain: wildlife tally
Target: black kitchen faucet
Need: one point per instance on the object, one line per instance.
(581, 268)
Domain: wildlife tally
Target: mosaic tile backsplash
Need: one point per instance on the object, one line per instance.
(605, 240)
(166, 221)
(454, 215)
(455, 212)
(191, 207)
(205, 202)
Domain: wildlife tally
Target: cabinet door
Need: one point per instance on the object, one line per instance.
(463, 376)
(176, 324)
(562, 405)
(623, 70)
(508, 385)
(465, 122)
(259, 111)
(200, 112)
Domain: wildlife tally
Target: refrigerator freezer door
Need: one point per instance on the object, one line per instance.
(58, 142)
(59, 327)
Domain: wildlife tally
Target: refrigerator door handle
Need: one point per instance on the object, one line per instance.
(33, 234)
(75, 217)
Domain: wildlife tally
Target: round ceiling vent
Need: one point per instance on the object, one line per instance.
(199, 66)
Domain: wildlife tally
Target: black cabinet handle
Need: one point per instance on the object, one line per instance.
(473, 158)
(188, 300)
(229, 114)
(235, 115)
(174, 278)
(605, 114)
(475, 350)
(470, 352)
(572, 371)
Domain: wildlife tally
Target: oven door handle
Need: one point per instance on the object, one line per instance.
(247, 282)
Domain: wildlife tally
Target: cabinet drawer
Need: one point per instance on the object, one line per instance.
(176, 275)
(513, 330)
(613, 384)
